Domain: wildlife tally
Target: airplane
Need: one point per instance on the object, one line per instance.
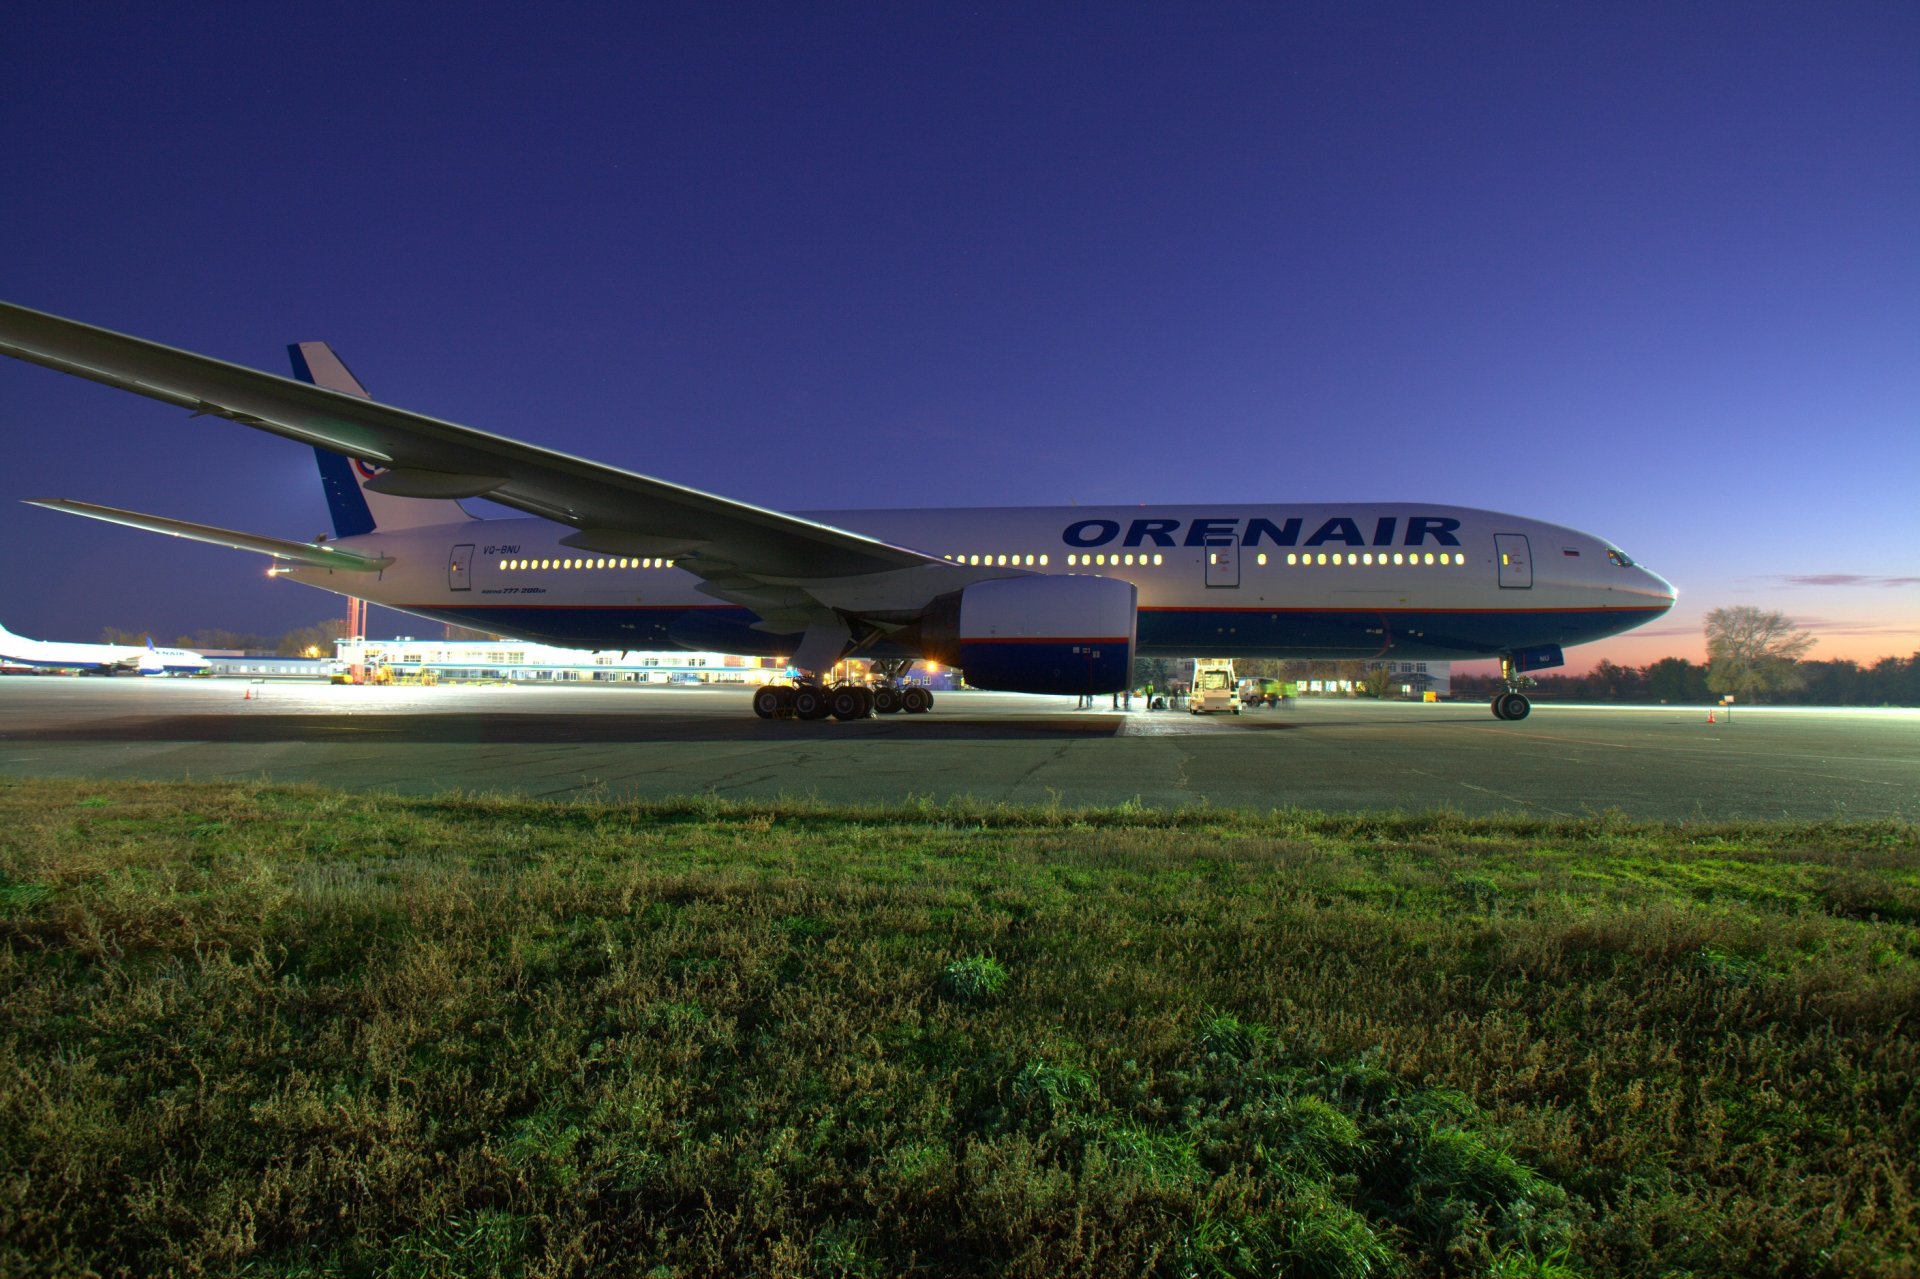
(100, 659)
(1029, 599)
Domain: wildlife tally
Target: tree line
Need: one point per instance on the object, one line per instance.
(1752, 656)
(1891, 681)
(298, 642)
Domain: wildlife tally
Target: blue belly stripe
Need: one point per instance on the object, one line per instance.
(1438, 634)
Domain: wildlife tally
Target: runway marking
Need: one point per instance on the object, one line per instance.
(1502, 795)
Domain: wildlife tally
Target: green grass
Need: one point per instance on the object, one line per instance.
(253, 1030)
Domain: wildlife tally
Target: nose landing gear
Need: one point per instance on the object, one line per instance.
(1512, 703)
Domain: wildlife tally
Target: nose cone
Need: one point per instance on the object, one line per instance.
(1658, 590)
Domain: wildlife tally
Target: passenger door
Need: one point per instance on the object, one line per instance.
(1223, 564)
(460, 568)
(1516, 561)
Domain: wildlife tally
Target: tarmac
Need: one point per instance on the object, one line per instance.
(614, 742)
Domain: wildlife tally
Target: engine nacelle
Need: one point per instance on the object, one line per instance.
(1039, 634)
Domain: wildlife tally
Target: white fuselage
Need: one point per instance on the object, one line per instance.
(1326, 580)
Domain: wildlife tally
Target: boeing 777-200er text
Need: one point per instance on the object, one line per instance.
(1040, 600)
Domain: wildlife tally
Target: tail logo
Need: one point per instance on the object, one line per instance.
(367, 471)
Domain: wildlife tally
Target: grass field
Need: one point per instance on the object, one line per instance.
(249, 1030)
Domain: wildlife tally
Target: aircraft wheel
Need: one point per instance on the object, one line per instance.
(886, 700)
(766, 701)
(848, 703)
(809, 702)
(1511, 706)
(916, 701)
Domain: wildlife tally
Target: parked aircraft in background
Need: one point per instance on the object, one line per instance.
(1047, 600)
(102, 659)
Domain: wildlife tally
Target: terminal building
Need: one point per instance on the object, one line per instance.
(517, 661)
(1417, 679)
(234, 664)
(1410, 680)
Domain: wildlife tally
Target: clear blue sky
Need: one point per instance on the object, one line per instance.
(1650, 270)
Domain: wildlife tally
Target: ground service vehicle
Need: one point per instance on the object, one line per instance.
(1267, 692)
(1213, 686)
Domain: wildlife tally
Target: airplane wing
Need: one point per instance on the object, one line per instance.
(311, 554)
(765, 559)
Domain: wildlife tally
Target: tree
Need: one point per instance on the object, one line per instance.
(213, 637)
(1153, 672)
(1378, 680)
(1615, 683)
(312, 641)
(1751, 653)
(1896, 681)
(1675, 679)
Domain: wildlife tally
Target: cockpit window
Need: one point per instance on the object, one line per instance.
(1619, 557)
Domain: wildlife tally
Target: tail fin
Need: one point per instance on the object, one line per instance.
(357, 509)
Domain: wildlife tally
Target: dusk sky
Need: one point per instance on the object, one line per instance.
(1651, 271)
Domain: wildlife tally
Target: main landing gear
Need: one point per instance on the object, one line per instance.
(1511, 703)
(808, 700)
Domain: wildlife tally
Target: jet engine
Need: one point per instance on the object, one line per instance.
(1040, 634)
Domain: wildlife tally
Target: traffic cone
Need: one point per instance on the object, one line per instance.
(248, 697)
(1710, 717)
